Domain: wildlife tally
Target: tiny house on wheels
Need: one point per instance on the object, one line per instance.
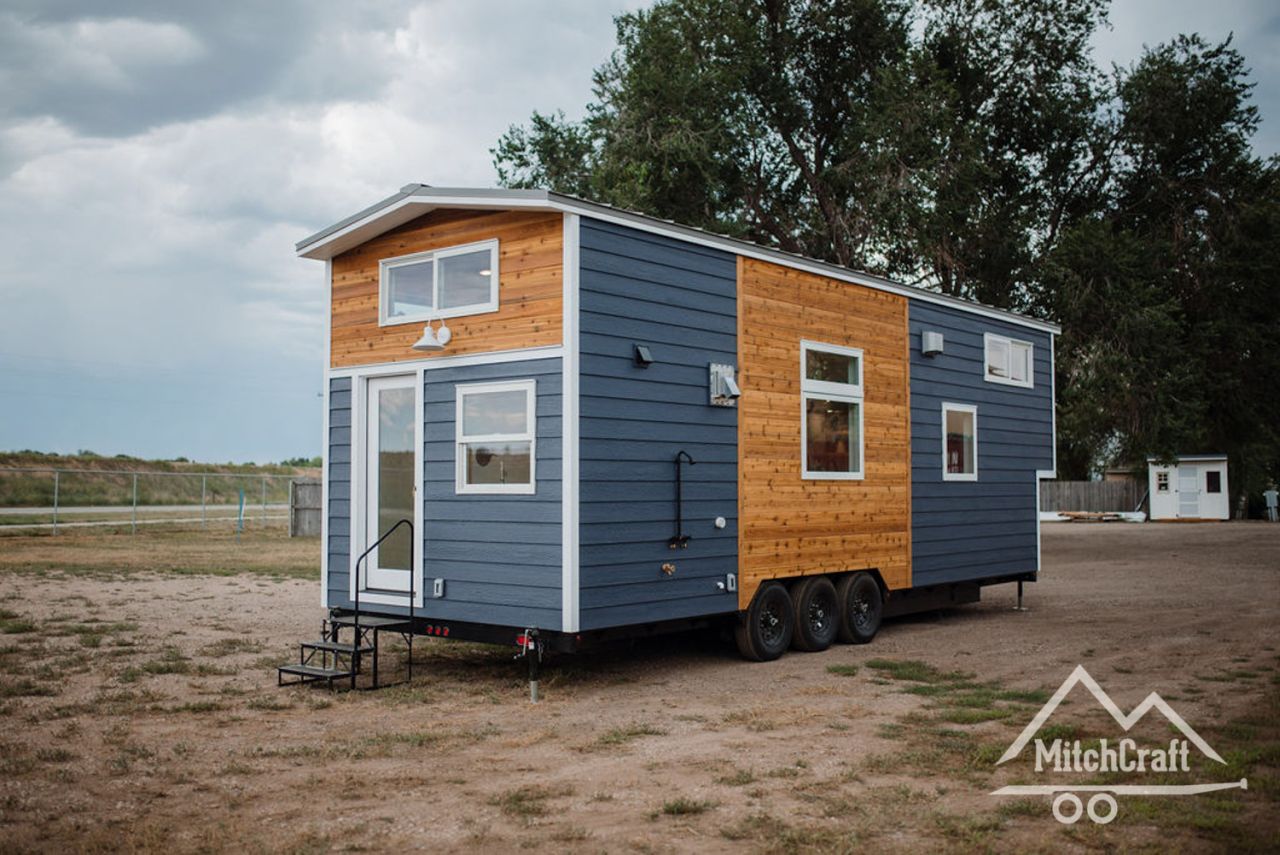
(549, 417)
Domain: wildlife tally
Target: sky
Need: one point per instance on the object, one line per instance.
(158, 161)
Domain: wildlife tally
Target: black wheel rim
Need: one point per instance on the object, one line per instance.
(862, 609)
(820, 616)
(772, 621)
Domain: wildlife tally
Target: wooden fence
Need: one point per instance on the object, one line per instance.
(1091, 495)
(304, 509)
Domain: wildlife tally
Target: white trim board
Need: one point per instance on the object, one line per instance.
(325, 440)
(432, 363)
(569, 410)
(417, 200)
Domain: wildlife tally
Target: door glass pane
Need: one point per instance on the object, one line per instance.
(831, 436)
(395, 475)
(961, 459)
(410, 289)
(490, 413)
(830, 367)
(465, 279)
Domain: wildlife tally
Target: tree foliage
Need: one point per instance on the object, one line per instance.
(974, 147)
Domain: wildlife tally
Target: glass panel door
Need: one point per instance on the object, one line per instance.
(390, 478)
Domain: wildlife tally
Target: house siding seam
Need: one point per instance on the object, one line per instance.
(680, 300)
(966, 530)
(500, 555)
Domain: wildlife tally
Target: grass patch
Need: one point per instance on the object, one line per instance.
(25, 687)
(843, 670)
(686, 807)
(623, 735)
(528, 803)
(230, 647)
(739, 778)
(916, 671)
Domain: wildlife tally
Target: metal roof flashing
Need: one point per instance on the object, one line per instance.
(414, 200)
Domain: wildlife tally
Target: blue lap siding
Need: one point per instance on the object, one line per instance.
(500, 555)
(679, 300)
(964, 530)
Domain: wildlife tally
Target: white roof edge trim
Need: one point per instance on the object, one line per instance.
(314, 246)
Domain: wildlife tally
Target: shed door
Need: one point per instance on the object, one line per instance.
(1188, 491)
(391, 461)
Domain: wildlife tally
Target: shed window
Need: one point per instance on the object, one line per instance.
(1009, 361)
(496, 437)
(1162, 482)
(831, 410)
(1213, 481)
(959, 442)
(445, 283)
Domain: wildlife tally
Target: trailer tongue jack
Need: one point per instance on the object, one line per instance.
(531, 650)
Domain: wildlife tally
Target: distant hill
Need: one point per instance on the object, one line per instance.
(102, 485)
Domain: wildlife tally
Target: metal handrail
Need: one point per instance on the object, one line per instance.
(355, 649)
(680, 540)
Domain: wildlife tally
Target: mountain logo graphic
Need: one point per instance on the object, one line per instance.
(1102, 807)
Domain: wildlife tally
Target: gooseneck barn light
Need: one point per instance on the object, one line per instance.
(433, 340)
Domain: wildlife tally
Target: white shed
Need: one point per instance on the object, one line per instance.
(1194, 488)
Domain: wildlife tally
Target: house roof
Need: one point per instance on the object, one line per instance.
(414, 200)
(1192, 458)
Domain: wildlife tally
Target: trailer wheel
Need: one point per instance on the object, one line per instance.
(817, 613)
(770, 621)
(861, 608)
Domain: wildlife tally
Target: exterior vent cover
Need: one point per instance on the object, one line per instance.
(931, 343)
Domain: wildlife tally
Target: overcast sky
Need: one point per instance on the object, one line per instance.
(158, 160)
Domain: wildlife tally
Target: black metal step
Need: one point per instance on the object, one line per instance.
(371, 621)
(315, 672)
(334, 647)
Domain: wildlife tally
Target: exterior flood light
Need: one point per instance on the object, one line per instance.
(432, 340)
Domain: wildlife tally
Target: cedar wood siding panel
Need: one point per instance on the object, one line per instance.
(791, 526)
(530, 290)
(679, 299)
(964, 530)
(500, 555)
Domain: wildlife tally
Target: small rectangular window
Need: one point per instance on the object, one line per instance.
(1213, 481)
(1008, 361)
(959, 442)
(496, 437)
(444, 283)
(831, 402)
(1162, 482)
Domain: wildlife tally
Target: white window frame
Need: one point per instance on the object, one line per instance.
(826, 391)
(949, 407)
(1009, 345)
(461, 487)
(386, 265)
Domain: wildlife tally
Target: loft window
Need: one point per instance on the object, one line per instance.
(1008, 361)
(444, 283)
(496, 439)
(959, 442)
(831, 406)
(1162, 482)
(1213, 481)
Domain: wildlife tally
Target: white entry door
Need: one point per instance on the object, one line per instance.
(1188, 491)
(391, 466)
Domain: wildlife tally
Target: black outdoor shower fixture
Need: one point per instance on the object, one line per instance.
(680, 540)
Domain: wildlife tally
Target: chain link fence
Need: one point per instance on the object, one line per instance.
(34, 500)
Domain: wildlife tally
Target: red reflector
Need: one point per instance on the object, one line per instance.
(446, 632)
(521, 641)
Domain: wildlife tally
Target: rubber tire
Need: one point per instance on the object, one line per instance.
(851, 592)
(807, 593)
(754, 643)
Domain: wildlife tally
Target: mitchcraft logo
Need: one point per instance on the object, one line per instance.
(1124, 755)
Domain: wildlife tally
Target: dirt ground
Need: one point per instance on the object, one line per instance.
(140, 713)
